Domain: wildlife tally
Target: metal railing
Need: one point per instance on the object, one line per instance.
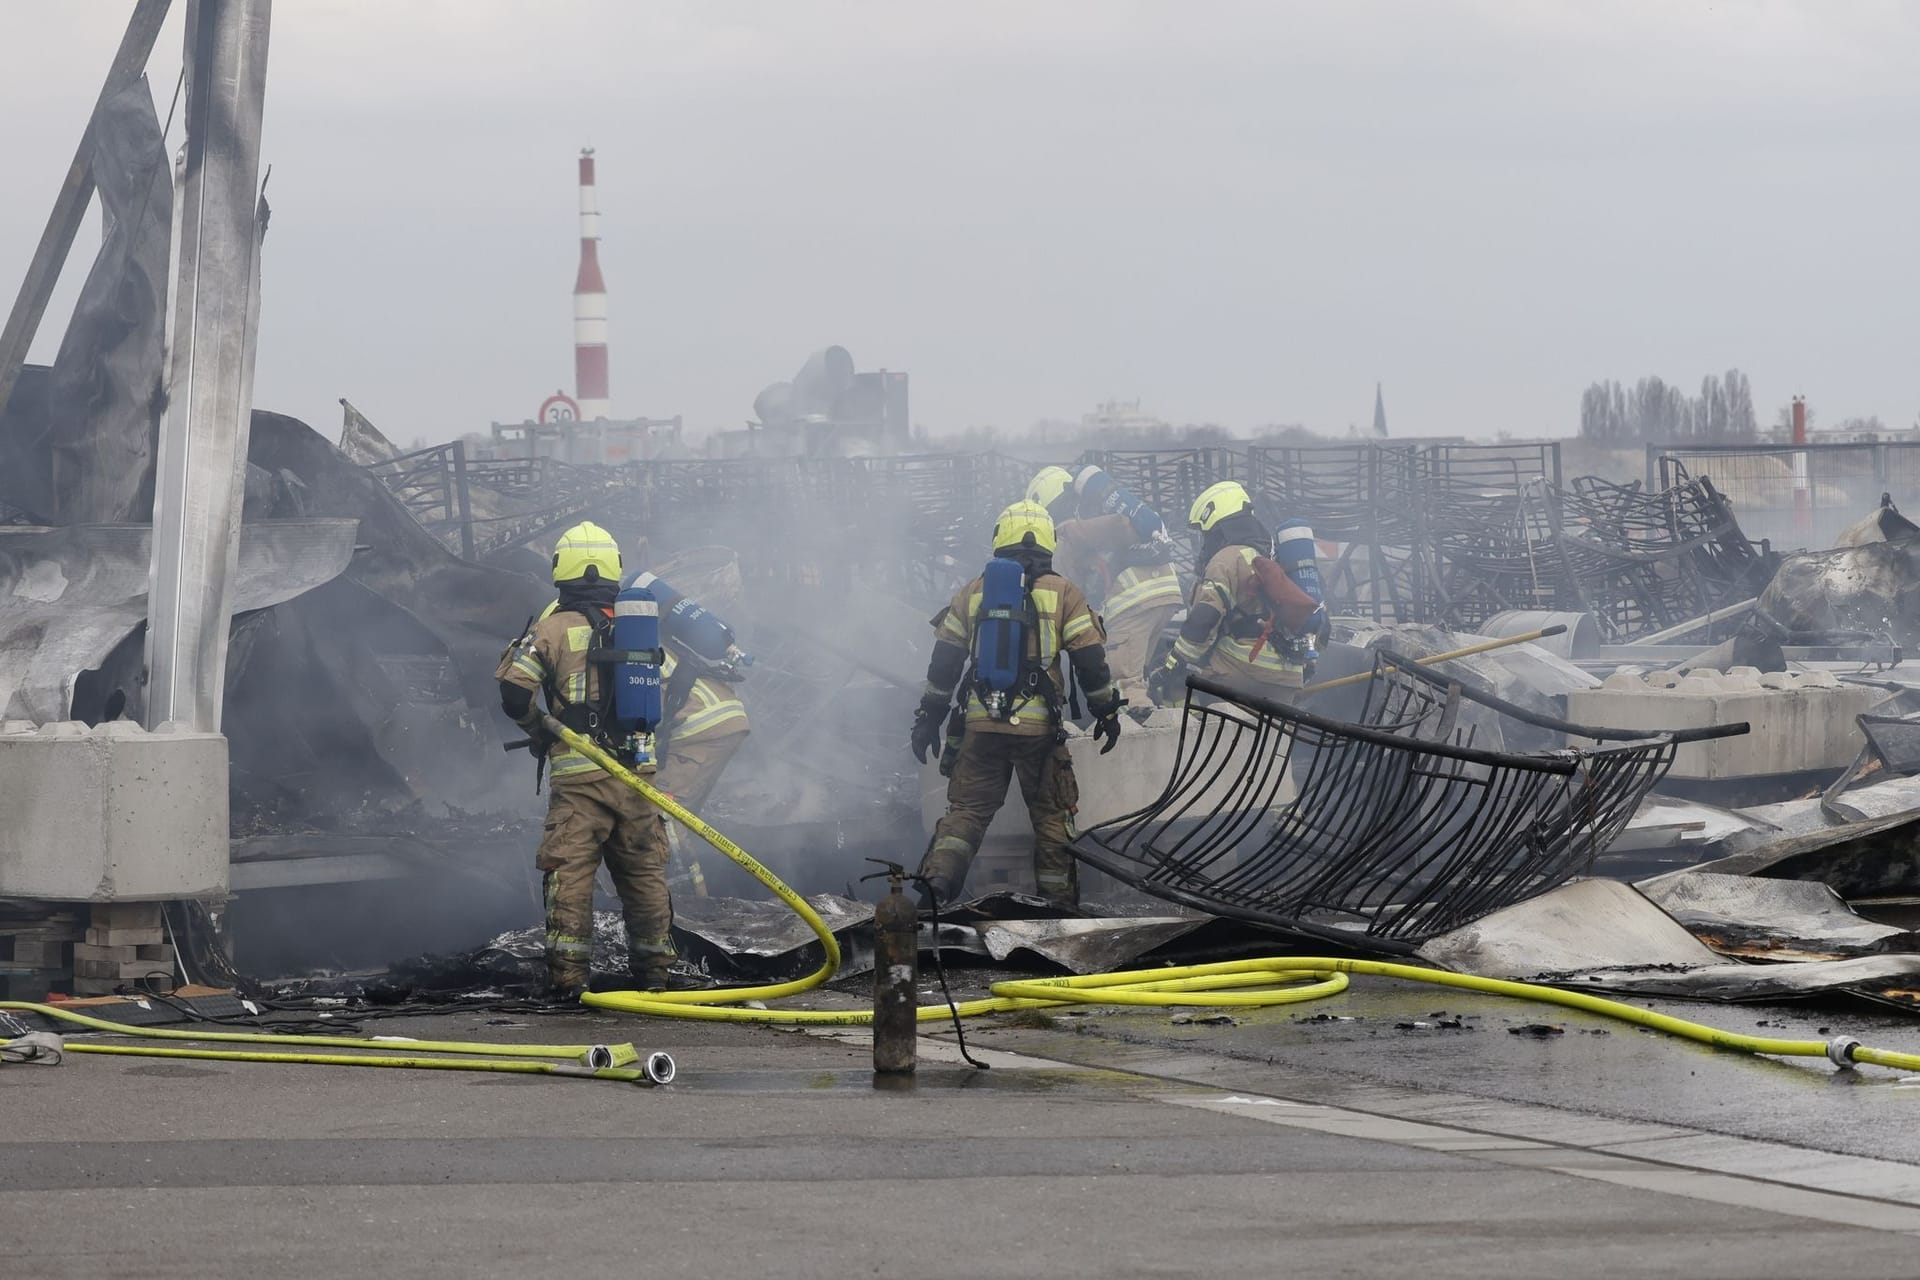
(1397, 828)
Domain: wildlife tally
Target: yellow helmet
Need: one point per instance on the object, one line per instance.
(1048, 484)
(583, 548)
(1216, 503)
(1021, 521)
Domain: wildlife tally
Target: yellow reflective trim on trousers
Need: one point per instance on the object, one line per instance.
(707, 719)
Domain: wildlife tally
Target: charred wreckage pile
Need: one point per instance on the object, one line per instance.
(376, 588)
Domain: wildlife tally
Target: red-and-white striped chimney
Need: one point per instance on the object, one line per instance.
(590, 306)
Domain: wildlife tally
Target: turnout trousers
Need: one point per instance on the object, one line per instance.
(589, 818)
(978, 787)
(690, 768)
(1131, 637)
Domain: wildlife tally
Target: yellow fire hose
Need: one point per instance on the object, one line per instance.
(595, 1061)
(1255, 983)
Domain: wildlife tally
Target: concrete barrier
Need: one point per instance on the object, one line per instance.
(111, 813)
(1803, 721)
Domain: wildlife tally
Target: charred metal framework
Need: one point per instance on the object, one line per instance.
(1442, 533)
(1396, 828)
(1796, 496)
(476, 506)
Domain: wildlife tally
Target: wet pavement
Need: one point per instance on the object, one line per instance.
(1595, 1066)
(1105, 1145)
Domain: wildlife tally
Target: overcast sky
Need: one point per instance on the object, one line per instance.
(1238, 212)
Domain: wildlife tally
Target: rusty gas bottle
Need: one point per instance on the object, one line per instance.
(896, 993)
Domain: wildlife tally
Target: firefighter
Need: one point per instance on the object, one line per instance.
(1116, 547)
(1230, 632)
(706, 726)
(590, 814)
(1014, 699)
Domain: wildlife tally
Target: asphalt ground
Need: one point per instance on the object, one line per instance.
(1115, 1145)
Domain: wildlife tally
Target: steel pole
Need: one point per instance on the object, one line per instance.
(200, 465)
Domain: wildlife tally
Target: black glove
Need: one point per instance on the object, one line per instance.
(928, 725)
(1106, 718)
(1164, 684)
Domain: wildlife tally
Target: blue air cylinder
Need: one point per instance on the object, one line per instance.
(636, 676)
(999, 638)
(704, 632)
(1101, 493)
(1294, 551)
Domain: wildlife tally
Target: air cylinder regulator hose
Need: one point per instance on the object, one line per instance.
(1244, 984)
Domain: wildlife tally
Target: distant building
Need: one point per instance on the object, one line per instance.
(1123, 416)
(604, 442)
(1379, 414)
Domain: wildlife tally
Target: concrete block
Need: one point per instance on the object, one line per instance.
(1801, 721)
(125, 915)
(157, 952)
(40, 953)
(119, 970)
(104, 955)
(125, 937)
(112, 812)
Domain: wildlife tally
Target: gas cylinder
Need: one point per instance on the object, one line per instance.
(896, 991)
(1102, 493)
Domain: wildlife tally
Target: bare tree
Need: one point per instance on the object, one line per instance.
(1653, 411)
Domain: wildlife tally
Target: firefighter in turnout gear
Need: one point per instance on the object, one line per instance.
(590, 815)
(999, 643)
(1116, 547)
(1231, 632)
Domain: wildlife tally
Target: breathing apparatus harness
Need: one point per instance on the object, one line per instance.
(1001, 671)
(624, 655)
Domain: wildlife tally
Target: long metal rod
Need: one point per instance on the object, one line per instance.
(1486, 646)
(70, 206)
(1694, 624)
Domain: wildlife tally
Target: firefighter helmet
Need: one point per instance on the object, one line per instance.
(1216, 503)
(1024, 524)
(586, 551)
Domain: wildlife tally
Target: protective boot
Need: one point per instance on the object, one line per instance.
(564, 986)
(649, 969)
(944, 871)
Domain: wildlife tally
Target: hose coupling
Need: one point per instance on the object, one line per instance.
(660, 1068)
(599, 1057)
(1840, 1050)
